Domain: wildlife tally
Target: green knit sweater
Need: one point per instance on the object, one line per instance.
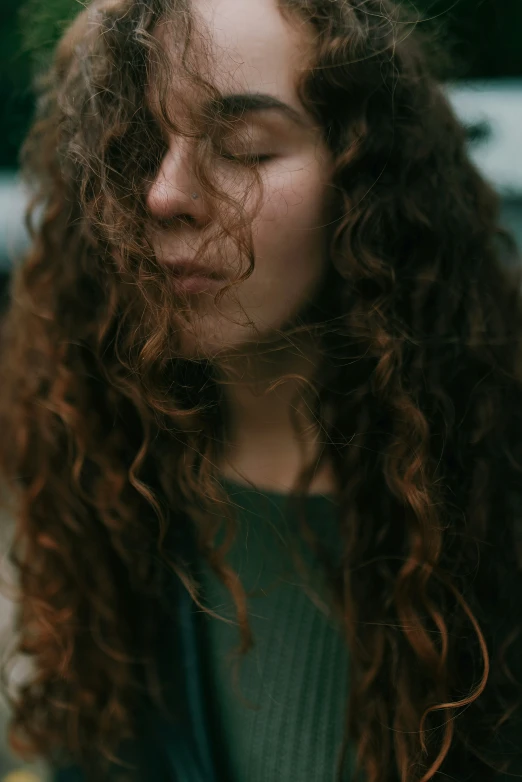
(286, 721)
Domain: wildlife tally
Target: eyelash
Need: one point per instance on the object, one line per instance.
(248, 159)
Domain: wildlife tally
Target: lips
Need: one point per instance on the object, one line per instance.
(186, 268)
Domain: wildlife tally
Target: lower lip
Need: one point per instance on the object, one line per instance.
(197, 284)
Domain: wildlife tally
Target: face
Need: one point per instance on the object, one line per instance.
(256, 52)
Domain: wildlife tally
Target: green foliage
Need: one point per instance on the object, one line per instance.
(483, 36)
(15, 102)
(28, 34)
(42, 24)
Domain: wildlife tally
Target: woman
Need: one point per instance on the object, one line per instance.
(267, 520)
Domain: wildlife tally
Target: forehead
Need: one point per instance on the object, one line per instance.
(253, 46)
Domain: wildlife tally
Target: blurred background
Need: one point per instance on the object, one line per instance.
(484, 83)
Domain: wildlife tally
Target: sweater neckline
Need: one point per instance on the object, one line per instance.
(236, 488)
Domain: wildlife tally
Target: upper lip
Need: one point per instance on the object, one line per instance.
(187, 268)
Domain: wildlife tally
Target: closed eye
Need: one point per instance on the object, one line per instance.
(248, 159)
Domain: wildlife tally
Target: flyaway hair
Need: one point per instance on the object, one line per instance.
(110, 437)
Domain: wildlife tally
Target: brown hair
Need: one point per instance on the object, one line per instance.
(110, 437)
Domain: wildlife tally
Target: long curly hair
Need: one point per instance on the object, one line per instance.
(111, 437)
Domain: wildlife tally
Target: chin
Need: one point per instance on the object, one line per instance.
(212, 342)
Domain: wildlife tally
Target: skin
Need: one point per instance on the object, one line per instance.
(256, 50)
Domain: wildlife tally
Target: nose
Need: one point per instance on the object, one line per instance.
(174, 192)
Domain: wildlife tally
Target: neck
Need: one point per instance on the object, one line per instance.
(262, 445)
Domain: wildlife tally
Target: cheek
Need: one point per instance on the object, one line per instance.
(291, 225)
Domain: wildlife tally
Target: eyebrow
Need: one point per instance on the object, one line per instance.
(240, 103)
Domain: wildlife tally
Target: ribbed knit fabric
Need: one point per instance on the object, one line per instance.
(295, 678)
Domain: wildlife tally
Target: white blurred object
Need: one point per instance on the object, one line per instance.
(12, 768)
(13, 202)
(496, 105)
